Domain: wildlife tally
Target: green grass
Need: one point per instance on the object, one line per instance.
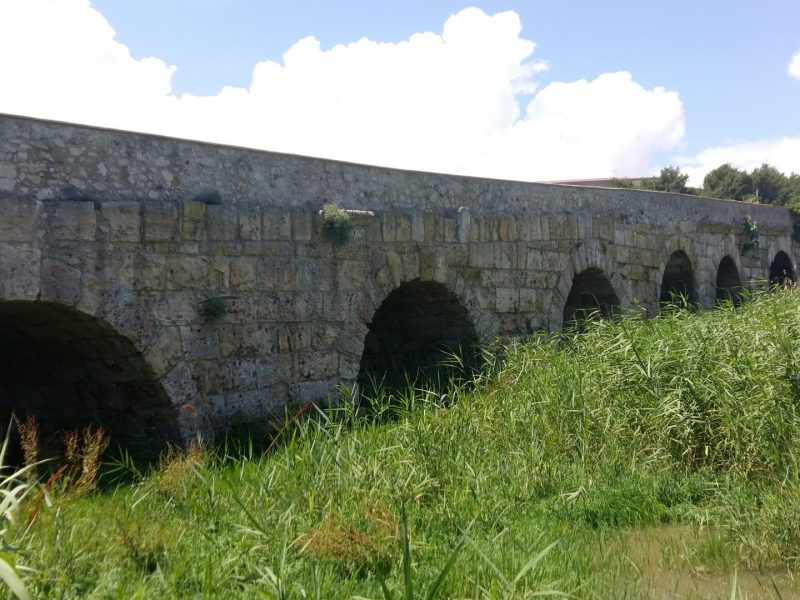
(636, 459)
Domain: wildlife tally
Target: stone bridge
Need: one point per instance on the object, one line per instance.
(115, 247)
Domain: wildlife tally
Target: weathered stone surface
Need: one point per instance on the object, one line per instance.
(72, 221)
(124, 223)
(293, 311)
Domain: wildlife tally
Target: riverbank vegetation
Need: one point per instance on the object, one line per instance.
(637, 458)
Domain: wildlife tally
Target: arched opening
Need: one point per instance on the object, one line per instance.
(781, 271)
(677, 284)
(591, 293)
(729, 284)
(415, 334)
(69, 370)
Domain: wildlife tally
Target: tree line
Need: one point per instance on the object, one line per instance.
(764, 185)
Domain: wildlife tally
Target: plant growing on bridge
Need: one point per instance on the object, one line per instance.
(215, 308)
(337, 227)
(209, 197)
(751, 232)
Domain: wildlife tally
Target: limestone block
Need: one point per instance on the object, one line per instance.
(507, 300)
(388, 227)
(243, 373)
(8, 176)
(411, 265)
(530, 228)
(464, 224)
(277, 274)
(276, 224)
(177, 308)
(19, 271)
(310, 391)
(457, 255)
(418, 227)
(302, 225)
(489, 228)
(186, 272)
(160, 221)
(151, 271)
(200, 341)
(504, 256)
(508, 228)
(402, 228)
(164, 350)
(434, 227)
(249, 222)
(60, 282)
(602, 229)
(124, 221)
(317, 364)
(18, 221)
(349, 367)
(272, 370)
(527, 299)
(533, 258)
(294, 336)
(72, 221)
(554, 261)
(350, 274)
(481, 255)
(179, 385)
(450, 230)
(221, 222)
(546, 229)
(432, 264)
(497, 277)
(193, 220)
(251, 404)
(324, 335)
(218, 273)
(394, 265)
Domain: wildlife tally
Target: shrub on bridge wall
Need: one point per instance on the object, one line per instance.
(214, 308)
(209, 197)
(751, 232)
(337, 227)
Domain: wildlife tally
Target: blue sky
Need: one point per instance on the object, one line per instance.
(610, 88)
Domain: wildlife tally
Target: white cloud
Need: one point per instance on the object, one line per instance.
(794, 66)
(451, 102)
(782, 153)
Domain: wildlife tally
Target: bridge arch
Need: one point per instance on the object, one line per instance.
(590, 281)
(401, 294)
(415, 333)
(591, 292)
(781, 269)
(728, 285)
(69, 370)
(678, 279)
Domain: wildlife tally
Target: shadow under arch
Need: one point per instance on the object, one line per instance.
(781, 269)
(591, 292)
(415, 334)
(70, 370)
(678, 281)
(728, 284)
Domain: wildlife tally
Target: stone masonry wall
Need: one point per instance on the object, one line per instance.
(108, 223)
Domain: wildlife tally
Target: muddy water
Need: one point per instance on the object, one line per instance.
(676, 562)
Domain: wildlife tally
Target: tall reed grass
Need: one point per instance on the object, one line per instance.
(527, 480)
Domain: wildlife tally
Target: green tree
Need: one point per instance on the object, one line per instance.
(616, 182)
(771, 186)
(727, 182)
(669, 180)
